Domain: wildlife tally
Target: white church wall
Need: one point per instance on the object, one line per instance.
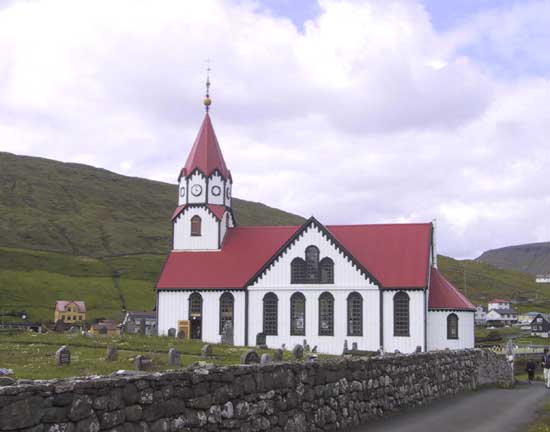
(216, 182)
(405, 344)
(325, 344)
(174, 306)
(209, 229)
(437, 330)
(196, 180)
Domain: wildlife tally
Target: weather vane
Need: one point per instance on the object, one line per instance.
(207, 100)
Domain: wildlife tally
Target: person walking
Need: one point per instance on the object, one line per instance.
(546, 368)
(530, 369)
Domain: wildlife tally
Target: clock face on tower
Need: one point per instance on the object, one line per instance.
(216, 190)
(196, 190)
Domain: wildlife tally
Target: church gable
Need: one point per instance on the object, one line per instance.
(313, 257)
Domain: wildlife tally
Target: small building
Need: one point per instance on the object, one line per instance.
(527, 317)
(480, 316)
(140, 322)
(540, 326)
(70, 311)
(542, 278)
(502, 317)
(498, 304)
(105, 328)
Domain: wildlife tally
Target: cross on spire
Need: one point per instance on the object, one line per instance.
(207, 100)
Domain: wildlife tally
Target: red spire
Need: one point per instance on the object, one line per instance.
(206, 154)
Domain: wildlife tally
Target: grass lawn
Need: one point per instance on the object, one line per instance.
(542, 423)
(33, 355)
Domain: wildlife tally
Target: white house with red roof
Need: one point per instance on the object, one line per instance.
(376, 285)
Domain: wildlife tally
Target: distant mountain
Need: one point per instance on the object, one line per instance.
(81, 210)
(532, 258)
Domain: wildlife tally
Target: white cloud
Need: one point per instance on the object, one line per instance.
(367, 115)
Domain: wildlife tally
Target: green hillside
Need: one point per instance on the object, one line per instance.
(532, 258)
(81, 210)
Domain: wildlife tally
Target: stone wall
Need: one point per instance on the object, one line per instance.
(308, 396)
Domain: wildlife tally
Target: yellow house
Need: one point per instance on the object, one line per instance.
(70, 311)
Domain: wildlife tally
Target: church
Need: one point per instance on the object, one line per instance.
(376, 285)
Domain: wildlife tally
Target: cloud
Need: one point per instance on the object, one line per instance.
(365, 114)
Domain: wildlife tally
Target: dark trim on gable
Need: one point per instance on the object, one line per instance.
(312, 222)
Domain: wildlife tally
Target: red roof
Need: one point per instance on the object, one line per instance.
(206, 154)
(217, 210)
(443, 295)
(60, 305)
(397, 255)
(499, 301)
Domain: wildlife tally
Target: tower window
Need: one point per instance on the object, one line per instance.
(452, 326)
(270, 314)
(401, 314)
(196, 226)
(326, 314)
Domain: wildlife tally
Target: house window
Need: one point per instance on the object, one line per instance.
(326, 314)
(452, 326)
(297, 271)
(401, 314)
(326, 271)
(312, 264)
(270, 314)
(195, 306)
(355, 314)
(297, 314)
(226, 309)
(196, 223)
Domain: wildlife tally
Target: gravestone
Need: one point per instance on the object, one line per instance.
(174, 357)
(142, 363)
(278, 355)
(63, 356)
(171, 332)
(227, 333)
(206, 351)
(304, 343)
(354, 346)
(250, 357)
(298, 352)
(381, 352)
(74, 329)
(112, 353)
(260, 341)
(266, 359)
(314, 350)
(307, 348)
(181, 334)
(346, 349)
(418, 349)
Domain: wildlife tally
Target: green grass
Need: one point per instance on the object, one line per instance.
(33, 355)
(542, 422)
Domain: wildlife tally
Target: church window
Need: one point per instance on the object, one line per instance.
(195, 306)
(196, 223)
(452, 326)
(226, 309)
(355, 314)
(312, 264)
(297, 271)
(326, 271)
(326, 314)
(297, 314)
(401, 314)
(270, 314)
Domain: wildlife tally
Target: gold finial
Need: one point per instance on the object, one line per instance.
(207, 101)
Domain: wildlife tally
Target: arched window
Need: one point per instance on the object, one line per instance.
(312, 264)
(297, 271)
(226, 309)
(297, 314)
(326, 314)
(401, 314)
(355, 314)
(196, 223)
(195, 306)
(452, 326)
(326, 271)
(270, 314)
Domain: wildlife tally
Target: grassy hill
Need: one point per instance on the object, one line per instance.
(81, 210)
(532, 258)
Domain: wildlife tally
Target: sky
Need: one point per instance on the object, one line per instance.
(357, 111)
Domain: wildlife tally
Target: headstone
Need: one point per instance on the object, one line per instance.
(314, 349)
(260, 341)
(74, 329)
(171, 332)
(266, 359)
(227, 333)
(304, 343)
(307, 348)
(250, 357)
(346, 349)
(397, 351)
(381, 351)
(63, 356)
(206, 351)
(418, 349)
(354, 346)
(142, 363)
(298, 352)
(112, 353)
(283, 347)
(278, 355)
(181, 334)
(174, 357)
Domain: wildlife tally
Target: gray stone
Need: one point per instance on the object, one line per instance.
(250, 357)
(81, 407)
(63, 356)
(354, 346)
(142, 363)
(174, 357)
(6, 381)
(171, 332)
(314, 349)
(298, 352)
(6, 371)
(265, 359)
(90, 424)
(227, 333)
(346, 349)
(206, 351)
(112, 353)
(261, 341)
(418, 349)
(22, 413)
(278, 355)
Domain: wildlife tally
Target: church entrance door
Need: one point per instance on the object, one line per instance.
(196, 328)
(195, 315)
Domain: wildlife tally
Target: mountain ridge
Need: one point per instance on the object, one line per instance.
(533, 258)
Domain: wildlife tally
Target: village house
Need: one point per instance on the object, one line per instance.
(376, 286)
(540, 326)
(502, 317)
(498, 304)
(480, 316)
(140, 323)
(70, 311)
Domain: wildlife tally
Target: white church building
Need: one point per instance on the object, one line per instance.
(376, 285)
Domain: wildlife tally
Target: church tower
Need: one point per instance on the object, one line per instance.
(204, 210)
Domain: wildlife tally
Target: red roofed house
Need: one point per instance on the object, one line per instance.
(376, 285)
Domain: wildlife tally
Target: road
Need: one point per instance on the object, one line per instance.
(481, 411)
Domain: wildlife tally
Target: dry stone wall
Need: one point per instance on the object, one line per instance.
(301, 396)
